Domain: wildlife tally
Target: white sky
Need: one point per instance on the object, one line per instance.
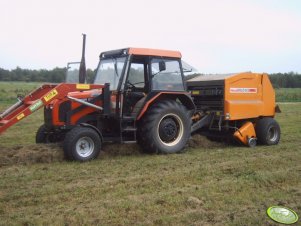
(213, 36)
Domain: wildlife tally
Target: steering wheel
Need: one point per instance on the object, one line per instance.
(130, 85)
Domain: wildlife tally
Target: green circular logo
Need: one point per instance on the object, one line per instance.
(282, 215)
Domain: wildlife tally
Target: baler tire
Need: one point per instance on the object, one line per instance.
(82, 144)
(267, 131)
(165, 128)
(42, 137)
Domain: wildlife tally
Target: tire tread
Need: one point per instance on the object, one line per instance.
(70, 140)
(146, 137)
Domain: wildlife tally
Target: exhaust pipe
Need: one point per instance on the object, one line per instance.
(82, 67)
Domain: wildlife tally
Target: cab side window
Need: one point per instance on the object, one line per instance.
(167, 77)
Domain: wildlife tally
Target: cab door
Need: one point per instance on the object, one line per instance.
(136, 85)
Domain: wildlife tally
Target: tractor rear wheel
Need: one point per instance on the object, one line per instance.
(165, 128)
(82, 144)
(267, 131)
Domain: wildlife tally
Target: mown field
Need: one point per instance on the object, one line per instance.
(210, 184)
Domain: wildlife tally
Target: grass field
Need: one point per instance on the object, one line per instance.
(210, 184)
(10, 90)
(288, 95)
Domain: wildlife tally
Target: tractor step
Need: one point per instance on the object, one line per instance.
(129, 129)
(128, 118)
(129, 142)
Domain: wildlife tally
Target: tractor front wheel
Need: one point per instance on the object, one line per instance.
(267, 131)
(165, 128)
(82, 144)
(45, 136)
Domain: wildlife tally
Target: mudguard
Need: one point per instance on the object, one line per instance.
(183, 97)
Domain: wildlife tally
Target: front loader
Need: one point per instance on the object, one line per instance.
(141, 96)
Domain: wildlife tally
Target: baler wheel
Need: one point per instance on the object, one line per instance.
(165, 128)
(82, 144)
(267, 131)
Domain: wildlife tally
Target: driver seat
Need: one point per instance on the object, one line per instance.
(138, 106)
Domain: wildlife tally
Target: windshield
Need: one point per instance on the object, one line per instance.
(109, 71)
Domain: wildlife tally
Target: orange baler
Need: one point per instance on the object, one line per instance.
(239, 104)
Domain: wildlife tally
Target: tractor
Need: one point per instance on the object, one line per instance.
(141, 96)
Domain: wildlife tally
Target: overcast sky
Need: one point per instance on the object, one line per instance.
(215, 36)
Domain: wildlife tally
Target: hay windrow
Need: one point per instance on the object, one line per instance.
(36, 153)
(199, 141)
(48, 153)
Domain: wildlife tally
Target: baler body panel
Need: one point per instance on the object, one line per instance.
(245, 95)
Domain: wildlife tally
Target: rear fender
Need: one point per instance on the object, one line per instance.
(183, 97)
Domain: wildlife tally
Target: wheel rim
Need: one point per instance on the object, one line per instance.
(170, 129)
(84, 147)
(272, 134)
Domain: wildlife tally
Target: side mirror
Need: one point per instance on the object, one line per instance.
(162, 66)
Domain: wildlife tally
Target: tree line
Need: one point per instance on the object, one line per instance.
(57, 75)
(286, 80)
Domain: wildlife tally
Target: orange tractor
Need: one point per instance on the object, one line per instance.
(140, 95)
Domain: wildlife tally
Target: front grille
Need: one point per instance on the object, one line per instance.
(48, 117)
(63, 109)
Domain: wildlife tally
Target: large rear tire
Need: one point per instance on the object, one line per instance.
(165, 128)
(82, 144)
(267, 131)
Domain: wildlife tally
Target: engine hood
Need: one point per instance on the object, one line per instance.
(85, 94)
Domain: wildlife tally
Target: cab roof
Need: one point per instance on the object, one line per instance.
(142, 52)
(154, 52)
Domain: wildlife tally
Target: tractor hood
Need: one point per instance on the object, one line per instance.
(85, 94)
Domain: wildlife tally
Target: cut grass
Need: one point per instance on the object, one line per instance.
(211, 185)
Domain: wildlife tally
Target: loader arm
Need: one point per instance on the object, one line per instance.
(40, 97)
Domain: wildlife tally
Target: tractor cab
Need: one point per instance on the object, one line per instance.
(136, 75)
